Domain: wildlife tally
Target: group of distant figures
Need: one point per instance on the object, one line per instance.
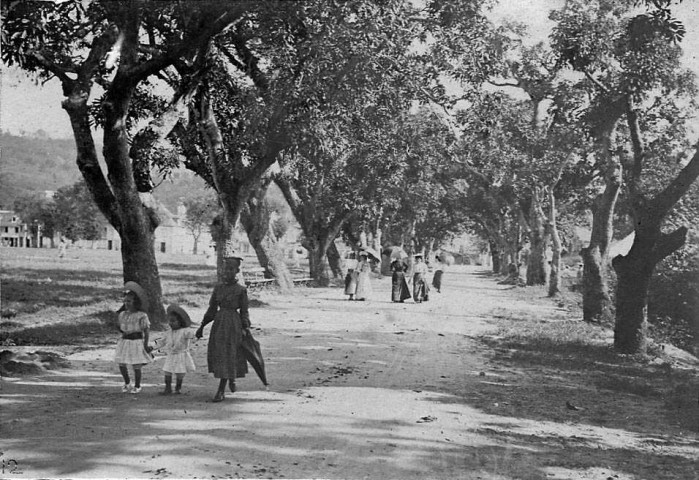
(358, 283)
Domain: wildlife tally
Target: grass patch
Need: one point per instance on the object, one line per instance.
(81, 330)
(573, 360)
(51, 301)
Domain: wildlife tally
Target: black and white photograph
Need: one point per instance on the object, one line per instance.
(349, 239)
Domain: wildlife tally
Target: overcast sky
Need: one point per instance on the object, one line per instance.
(25, 107)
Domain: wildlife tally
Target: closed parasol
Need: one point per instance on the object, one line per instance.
(253, 355)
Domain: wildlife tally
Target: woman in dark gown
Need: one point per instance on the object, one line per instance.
(228, 310)
(400, 291)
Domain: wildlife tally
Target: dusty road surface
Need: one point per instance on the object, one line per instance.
(358, 390)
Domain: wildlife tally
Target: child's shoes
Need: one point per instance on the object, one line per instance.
(126, 388)
(136, 390)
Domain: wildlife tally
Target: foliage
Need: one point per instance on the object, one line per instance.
(37, 210)
(77, 216)
(423, 202)
(200, 212)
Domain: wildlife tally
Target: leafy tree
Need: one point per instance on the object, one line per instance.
(489, 163)
(324, 64)
(39, 213)
(77, 216)
(639, 86)
(118, 45)
(422, 204)
(200, 212)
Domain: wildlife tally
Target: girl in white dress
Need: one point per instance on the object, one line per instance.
(179, 361)
(132, 348)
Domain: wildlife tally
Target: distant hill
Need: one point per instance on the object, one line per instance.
(34, 164)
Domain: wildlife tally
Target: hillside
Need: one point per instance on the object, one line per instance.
(36, 163)
(33, 164)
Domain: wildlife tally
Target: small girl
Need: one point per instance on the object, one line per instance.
(179, 361)
(132, 348)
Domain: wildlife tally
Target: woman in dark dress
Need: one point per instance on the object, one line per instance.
(228, 310)
(399, 291)
(437, 278)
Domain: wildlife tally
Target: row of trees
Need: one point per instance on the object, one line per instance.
(343, 105)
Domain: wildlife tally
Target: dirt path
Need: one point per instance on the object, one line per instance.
(358, 390)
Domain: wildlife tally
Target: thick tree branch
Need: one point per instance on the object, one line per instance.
(668, 243)
(639, 148)
(216, 23)
(61, 72)
(248, 63)
(665, 200)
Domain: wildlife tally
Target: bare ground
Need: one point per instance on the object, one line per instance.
(369, 390)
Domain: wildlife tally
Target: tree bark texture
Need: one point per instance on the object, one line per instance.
(118, 198)
(255, 218)
(318, 263)
(536, 263)
(650, 244)
(554, 270)
(597, 301)
(495, 256)
(335, 261)
(633, 279)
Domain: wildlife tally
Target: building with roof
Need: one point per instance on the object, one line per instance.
(13, 232)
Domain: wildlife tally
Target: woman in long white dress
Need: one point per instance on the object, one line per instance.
(363, 281)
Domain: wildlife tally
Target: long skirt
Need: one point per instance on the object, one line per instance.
(224, 355)
(437, 280)
(420, 288)
(351, 282)
(364, 289)
(399, 290)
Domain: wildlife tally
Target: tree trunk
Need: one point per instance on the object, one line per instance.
(538, 241)
(138, 258)
(634, 272)
(318, 261)
(511, 266)
(221, 234)
(271, 257)
(195, 248)
(319, 231)
(649, 246)
(131, 214)
(554, 270)
(597, 302)
(495, 256)
(633, 278)
(335, 261)
(255, 219)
